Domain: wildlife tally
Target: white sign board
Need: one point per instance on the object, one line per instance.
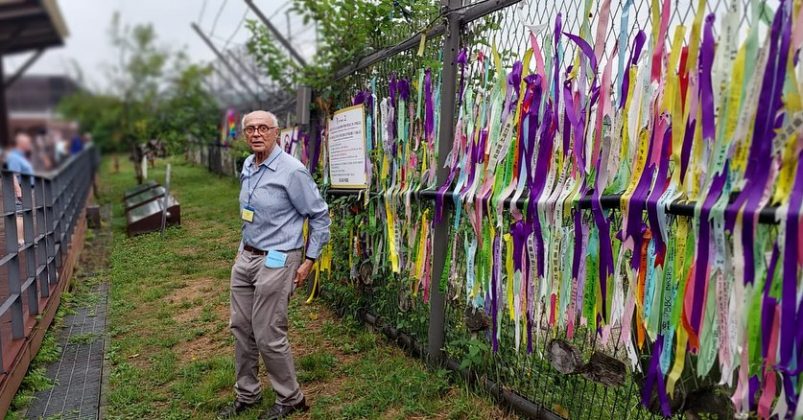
(347, 148)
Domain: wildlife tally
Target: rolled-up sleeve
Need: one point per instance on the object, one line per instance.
(308, 202)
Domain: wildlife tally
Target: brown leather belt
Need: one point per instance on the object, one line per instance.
(254, 251)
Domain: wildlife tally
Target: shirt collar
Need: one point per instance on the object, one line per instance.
(270, 162)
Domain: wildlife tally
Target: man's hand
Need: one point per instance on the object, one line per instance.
(303, 272)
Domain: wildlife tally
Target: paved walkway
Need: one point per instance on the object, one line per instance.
(78, 373)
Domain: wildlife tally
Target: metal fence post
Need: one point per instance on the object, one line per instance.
(28, 280)
(451, 44)
(12, 251)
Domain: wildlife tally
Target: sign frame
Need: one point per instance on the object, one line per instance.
(332, 181)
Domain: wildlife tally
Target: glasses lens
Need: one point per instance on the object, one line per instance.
(249, 130)
(263, 129)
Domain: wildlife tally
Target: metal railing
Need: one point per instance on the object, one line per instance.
(36, 265)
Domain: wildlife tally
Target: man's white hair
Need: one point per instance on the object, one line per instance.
(268, 114)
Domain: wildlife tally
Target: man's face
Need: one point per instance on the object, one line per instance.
(261, 132)
(23, 143)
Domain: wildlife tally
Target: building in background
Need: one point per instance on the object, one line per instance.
(33, 101)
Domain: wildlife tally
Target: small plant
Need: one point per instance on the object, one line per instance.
(83, 338)
(474, 358)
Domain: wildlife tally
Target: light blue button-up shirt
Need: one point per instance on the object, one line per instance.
(17, 162)
(282, 194)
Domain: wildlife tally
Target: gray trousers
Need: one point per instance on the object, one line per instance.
(259, 298)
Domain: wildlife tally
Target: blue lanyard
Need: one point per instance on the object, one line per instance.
(251, 191)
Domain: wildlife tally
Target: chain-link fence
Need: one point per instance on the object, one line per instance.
(367, 281)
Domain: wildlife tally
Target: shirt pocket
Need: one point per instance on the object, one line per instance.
(271, 199)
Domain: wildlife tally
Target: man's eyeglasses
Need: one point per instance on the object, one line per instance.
(262, 129)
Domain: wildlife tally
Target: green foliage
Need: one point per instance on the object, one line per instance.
(347, 31)
(154, 93)
(99, 114)
(476, 355)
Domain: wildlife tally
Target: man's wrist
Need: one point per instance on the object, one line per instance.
(308, 258)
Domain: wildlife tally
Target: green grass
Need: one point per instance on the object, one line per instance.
(315, 367)
(171, 352)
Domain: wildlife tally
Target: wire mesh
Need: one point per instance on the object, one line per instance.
(382, 293)
(507, 32)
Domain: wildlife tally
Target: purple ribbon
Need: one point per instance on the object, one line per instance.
(577, 119)
(688, 139)
(429, 107)
(768, 304)
(634, 226)
(655, 379)
(567, 123)
(316, 153)
(513, 82)
(578, 254)
(586, 48)
(661, 182)
(759, 158)
(791, 315)
(706, 86)
(441, 192)
(403, 87)
(535, 179)
(462, 59)
(556, 77)
(359, 98)
(703, 250)
(635, 53)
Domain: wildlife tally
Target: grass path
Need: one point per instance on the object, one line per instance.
(171, 351)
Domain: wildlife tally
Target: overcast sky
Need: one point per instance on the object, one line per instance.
(88, 22)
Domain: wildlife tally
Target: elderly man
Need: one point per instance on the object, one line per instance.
(277, 194)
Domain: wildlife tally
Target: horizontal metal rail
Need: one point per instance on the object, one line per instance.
(677, 208)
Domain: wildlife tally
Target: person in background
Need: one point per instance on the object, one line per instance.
(60, 147)
(17, 162)
(41, 159)
(76, 145)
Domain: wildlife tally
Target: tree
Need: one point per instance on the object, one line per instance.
(348, 30)
(154, 92)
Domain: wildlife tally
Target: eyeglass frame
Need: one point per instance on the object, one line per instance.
(258, 129)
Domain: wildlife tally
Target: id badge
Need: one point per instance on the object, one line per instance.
(275, 259)
(247, 214)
